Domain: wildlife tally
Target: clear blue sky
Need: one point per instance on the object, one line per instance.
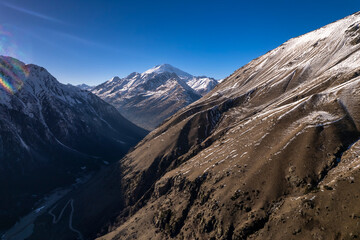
(90, 41)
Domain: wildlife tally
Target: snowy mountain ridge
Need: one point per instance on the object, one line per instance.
(201, 84)
(168, 68)
(164, 85)
(37, 86)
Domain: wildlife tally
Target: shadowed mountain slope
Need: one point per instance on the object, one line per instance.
(50, 134)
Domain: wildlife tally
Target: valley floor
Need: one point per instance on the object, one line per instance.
(24, 227)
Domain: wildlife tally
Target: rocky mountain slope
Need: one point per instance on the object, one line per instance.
(271, 153)
(149, 98)
(50, 134)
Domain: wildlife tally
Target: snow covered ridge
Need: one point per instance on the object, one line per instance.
(326, 51)
(148, 98)
(32, 91)
(201, 84)
(168, 68)
(20, 81)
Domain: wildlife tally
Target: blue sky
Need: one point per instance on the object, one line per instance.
(91, 41)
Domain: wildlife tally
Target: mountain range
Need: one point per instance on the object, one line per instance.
(148, 98)
(50, 135)
(272, 152)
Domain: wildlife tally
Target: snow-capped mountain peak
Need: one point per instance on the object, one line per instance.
(168, 68)
(115, 79)
(154, 95)
(201, 84)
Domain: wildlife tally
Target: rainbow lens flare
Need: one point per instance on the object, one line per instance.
(13, 73)
(6, 85)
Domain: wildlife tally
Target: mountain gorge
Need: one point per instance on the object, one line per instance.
(272, 152)
(50, 135)
(149, 98)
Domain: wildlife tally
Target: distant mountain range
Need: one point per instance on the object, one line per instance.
(50, 134)
(85, 87)
(148, 98)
